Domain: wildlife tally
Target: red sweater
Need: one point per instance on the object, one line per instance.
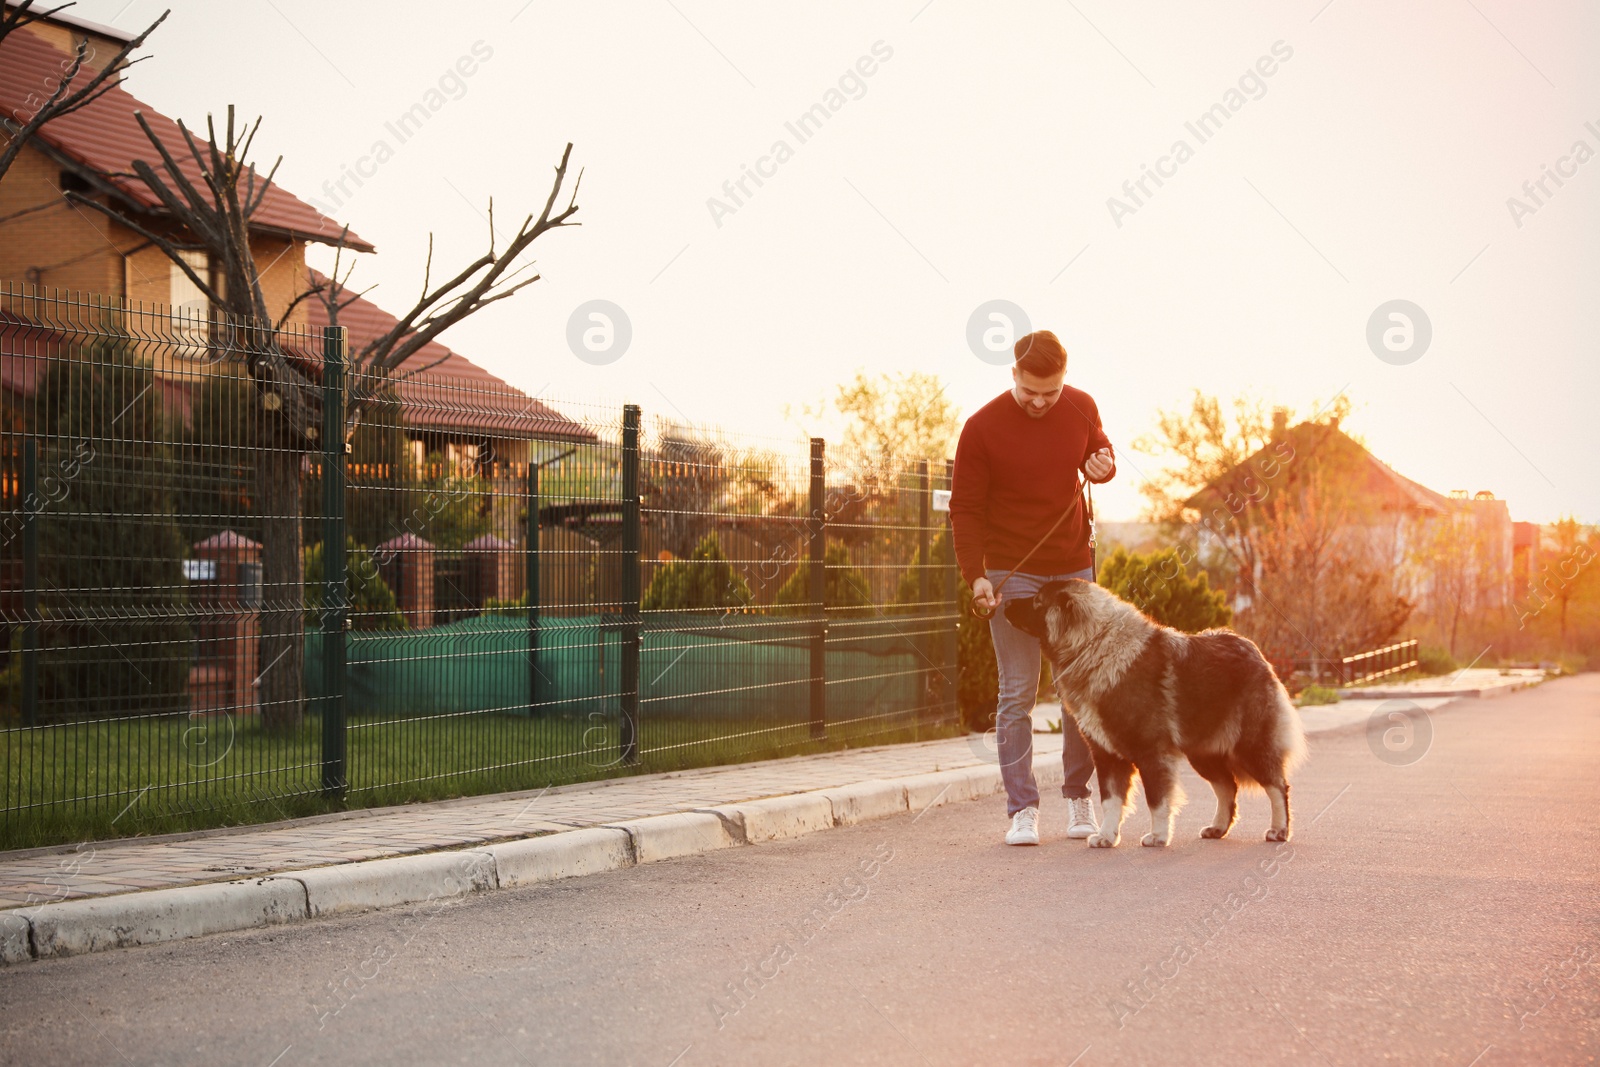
(1014, 477)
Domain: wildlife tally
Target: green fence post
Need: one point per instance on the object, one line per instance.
(30, 582)
(816, 556)
(630, 584)
(334, 593)
(924, 585)
(530, 542)
(952, 636)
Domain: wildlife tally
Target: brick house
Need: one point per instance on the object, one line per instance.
(1391, 516)
(49, 246)
(48, 243)
(61, 262)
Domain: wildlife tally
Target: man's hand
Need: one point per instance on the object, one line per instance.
(1100, 465)
(983, 595)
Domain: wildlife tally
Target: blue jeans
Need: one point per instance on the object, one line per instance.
(1016, 656)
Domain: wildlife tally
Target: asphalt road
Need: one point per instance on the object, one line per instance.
(1440, 911)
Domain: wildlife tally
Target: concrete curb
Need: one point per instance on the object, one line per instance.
(684, 833)
(778, 818)
(72, 927)
(872, 799)
(352, 887)
(566, 855)
(15, 938)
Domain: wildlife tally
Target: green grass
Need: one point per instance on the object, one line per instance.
(1313, 695)
(97, 780)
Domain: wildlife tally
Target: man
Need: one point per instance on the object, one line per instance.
(1016, 473)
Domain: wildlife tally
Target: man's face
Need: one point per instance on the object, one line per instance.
(1036, 395)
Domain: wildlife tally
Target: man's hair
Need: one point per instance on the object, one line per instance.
(1041, 354)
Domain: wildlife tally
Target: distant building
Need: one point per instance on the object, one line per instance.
(1393, 517)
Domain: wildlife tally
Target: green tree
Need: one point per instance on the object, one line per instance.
(372, 604)
(845, 590)
(977, 676)
(908, 590)
(895, 415)
(450, 505)
(217, 487)
(1566, 576)
(380, 470)
(115, 640)
(1159, 585)
(705, 580)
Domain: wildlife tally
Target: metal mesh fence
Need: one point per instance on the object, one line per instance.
(240, 579)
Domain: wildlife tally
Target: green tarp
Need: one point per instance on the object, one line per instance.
(688, 664)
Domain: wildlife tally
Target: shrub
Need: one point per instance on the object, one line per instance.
(705, 580)
(1316, 694)
(1158, 585)
(977, 677)
(1431, 659)
(372, 602)
(844, 589)
(112, 593)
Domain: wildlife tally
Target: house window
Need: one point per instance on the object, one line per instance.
(463, 457)
(189, 304)
(191, 311)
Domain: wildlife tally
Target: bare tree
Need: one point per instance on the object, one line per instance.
(1220, 469)
(1324, 584)
(1455, 554)
(216, 214)
(1568, 576)
(63, 98)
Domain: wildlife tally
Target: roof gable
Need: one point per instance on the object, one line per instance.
(104, 138)
(1380, 484)
(441, 389)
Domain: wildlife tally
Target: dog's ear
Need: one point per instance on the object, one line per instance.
(1053, 595)
(1025, 616)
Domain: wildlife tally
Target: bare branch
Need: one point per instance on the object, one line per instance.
(62, 101)
(173, 250)
(315, 290)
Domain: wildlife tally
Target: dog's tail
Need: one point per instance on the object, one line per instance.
(1291, 736)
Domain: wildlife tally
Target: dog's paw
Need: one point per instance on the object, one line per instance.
(1152, 841)
(1102, 841)
(1278, 835)
(1213, 833)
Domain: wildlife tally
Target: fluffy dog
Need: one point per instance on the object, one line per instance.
(1145, 694)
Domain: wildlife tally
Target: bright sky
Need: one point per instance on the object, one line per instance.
(1374, 163)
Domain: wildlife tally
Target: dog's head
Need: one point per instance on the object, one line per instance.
(1058, 609)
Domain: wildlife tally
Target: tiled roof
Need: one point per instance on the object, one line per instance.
(443, 390)
(1380, 483)
(105, 138)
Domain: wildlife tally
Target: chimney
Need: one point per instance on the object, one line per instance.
(1280, 423)
(66, 32)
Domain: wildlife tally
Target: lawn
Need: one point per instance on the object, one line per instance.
(159, 774)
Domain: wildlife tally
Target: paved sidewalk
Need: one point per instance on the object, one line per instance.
(101, 868)
(35, 877)
(1473, 682)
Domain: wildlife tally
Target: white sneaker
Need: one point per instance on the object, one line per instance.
(1024, 828)
(1080, 818)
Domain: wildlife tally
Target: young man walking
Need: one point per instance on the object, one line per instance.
(1016, 474)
